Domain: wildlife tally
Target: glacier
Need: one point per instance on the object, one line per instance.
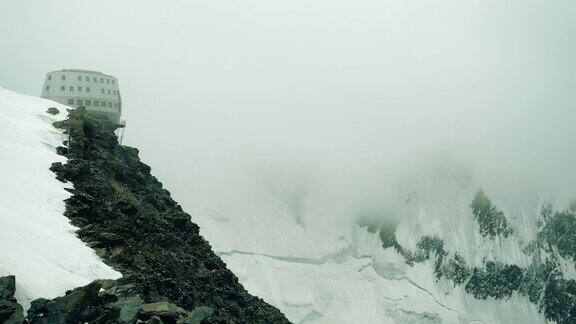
(321, 269)
(37, 242)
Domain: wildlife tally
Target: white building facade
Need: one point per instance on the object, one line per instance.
(96, 91)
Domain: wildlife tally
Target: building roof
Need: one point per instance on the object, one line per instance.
(83, 71)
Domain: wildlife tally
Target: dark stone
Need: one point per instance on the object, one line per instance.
(53, 111)
(198, 314)
(61, 150)
(129, 309)
(167, 312)
(83, 304)
(7, 287)
(10, 310)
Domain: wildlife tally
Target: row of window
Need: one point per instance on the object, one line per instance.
(87, 89)
(87, 79)
(88, 103)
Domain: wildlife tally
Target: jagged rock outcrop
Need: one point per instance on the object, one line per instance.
(81, 305)
(97, 302)
(126, 215)
(10, 311)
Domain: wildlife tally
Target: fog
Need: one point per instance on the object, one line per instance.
(323, 105)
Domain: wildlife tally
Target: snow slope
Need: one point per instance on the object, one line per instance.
(37, 243)
(318, 269)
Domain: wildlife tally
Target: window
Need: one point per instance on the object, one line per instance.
(71, 88)
(108, 81)
(103, 104)
(79, 78)
(113, 81)
(88, 79)
(87, 89)
(70, 101)
(94, 79)
(47, 88)
(62, 88)
(79, 89)
(101, 80)
(79, 102)
(49, 77)
(109, 92)
(114, 91)
(101, 90)
(88, 102)
(96, 103)
(116, 105)
(63, 77)
(109, 105)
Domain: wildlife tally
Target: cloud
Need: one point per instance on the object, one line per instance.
(320, 105)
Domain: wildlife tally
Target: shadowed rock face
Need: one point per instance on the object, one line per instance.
(134, 225)
(10, 310)
(80, 305)
(89, 304)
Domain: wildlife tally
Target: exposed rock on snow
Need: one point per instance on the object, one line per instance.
(81, 305)
(130, 219)
(37, 243)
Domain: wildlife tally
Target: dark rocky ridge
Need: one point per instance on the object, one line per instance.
(134, 225)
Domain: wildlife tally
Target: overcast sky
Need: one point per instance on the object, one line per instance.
(343, 92)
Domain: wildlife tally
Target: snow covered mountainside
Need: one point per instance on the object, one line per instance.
(444, 252)
(442, 246)
(38, 243)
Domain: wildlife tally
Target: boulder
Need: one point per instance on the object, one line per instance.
(7, 287)
(80, 305)
(62, 150)
(129, 308)
(53, 111)
(198, 314)
(166, 311)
